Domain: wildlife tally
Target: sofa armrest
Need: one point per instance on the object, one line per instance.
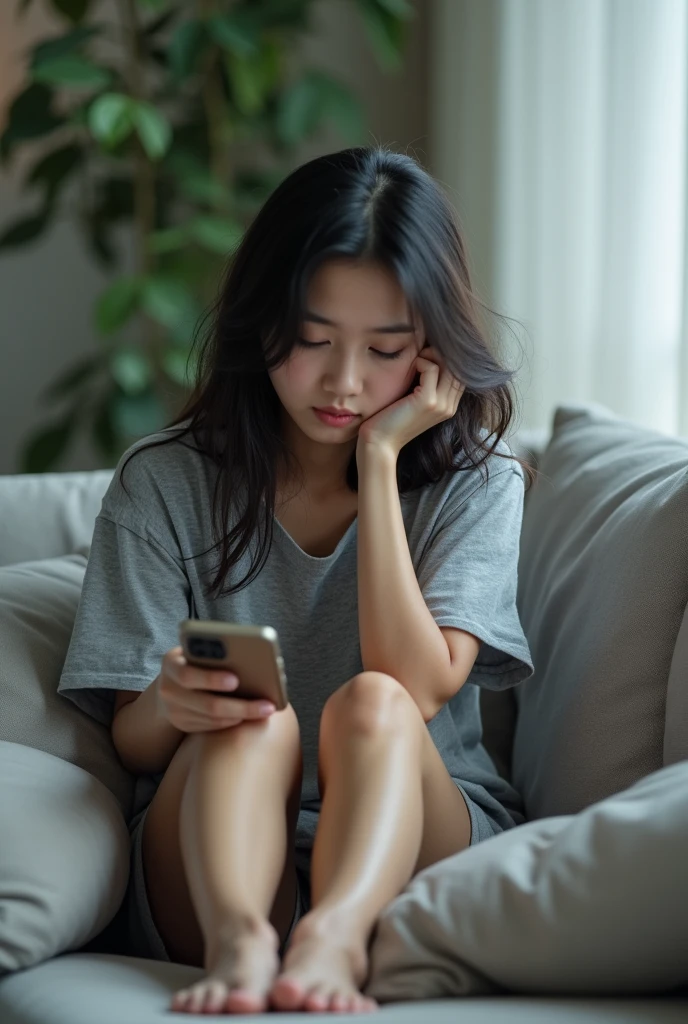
(48, 514)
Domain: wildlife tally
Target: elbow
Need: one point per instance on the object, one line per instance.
(434, 702)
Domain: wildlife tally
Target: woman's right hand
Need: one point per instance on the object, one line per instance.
(184, 700)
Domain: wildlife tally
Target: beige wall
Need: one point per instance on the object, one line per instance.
(463, 83)
(47, 289)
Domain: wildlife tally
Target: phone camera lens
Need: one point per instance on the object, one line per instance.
(207, 647)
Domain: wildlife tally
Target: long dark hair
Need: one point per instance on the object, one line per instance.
(363, 203)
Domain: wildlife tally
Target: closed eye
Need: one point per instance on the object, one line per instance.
(317, 344)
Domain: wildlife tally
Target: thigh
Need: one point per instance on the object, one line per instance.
(167, 890)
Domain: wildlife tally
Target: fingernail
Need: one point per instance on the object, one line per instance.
(265, 708)
(230, 682)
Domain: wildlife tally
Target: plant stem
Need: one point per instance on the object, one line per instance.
(152, 337)
(215, 107)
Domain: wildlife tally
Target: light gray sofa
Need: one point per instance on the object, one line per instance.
(579, 913)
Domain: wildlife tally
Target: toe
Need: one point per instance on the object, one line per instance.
(215, 996)
(179, 1000)
(195, 1000)
(339, 1003)
(286, 994)
(316, 999)
(241, 1000)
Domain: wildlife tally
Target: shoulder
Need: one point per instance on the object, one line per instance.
(498, 472)
(156, 473)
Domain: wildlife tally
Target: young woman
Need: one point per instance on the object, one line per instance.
(383, 547)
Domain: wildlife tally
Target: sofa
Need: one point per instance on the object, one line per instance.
(580, 912)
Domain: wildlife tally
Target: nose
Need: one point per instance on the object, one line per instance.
(343, 374)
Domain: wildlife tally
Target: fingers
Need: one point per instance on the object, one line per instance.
(191, 677)
(189, 689)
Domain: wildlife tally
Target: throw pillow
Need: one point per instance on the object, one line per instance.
(603, 589)
(38, 603)
(64, 857)
(588, 904)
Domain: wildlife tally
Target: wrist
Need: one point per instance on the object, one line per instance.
(375, 454)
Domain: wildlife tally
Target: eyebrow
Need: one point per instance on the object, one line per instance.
(401, 328)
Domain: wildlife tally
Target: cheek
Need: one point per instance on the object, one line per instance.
(394, 384)
(292, 378)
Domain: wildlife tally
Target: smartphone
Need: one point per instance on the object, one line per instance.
(251, 652)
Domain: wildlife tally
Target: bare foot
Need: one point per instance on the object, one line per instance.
(322, 969)
(242, 964)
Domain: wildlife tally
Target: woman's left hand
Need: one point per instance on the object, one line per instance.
(436, 398)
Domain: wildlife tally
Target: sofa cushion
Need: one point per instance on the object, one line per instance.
(87, 989)
(64, 856)
(593, 903)
(48, 514)
(603, 588)
(38, 603)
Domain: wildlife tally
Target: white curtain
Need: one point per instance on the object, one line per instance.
(587, 239)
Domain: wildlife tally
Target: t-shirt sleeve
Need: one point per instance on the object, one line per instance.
(468, 576)
(134, 594)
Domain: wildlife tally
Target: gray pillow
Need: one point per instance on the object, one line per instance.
(38, 603)
(603, 586)
(64, 857)
(588, 904)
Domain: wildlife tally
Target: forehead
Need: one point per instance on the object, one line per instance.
(356, 293)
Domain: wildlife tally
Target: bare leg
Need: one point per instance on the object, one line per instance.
(232, 791)
(388, 808)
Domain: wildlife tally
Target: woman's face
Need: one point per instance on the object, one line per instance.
(356, 315)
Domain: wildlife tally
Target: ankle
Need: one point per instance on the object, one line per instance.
(326, 923)
(237, 925)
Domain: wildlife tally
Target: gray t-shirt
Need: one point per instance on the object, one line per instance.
(463, 537)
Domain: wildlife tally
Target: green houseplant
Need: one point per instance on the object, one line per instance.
(180, 130)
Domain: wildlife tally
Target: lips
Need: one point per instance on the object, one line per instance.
(336, 412)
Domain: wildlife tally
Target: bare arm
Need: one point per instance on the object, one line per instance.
(148, 727)
(144, 738)
(397, 632)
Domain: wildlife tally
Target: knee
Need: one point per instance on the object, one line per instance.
(279, 727)
(369, 702)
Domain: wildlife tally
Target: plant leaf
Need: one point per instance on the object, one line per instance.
(298, 109)
(338, 102)
(30, 115)
(398, 8)
(184, 49)
(153, 129)
(110, 118)
(168, 301)
(234, 32)
(103, 430)
(72, 379)
(386, 32)
(219, 234)
(74, 10)
(155, 6)
(26, 229)
(167, 239)
(53, 168)
(201, 187)
(131, 369)
(179, 364)
(246, 76)
(45, 445)
(71, 70)
(51, 48)
(117, 303)
(137, 415)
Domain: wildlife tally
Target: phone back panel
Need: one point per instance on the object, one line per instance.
(251, 652)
